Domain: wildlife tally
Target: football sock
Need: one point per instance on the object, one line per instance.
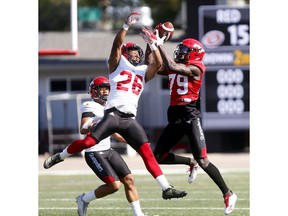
(215, 175)
(136, 208)
(64, 154)
(162, 181)
(174, 159)
(89, 196)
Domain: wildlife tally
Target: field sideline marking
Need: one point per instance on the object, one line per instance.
(137, 171)
(149, 208)
(121, 199)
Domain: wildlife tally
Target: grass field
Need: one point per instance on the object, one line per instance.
(57, 196)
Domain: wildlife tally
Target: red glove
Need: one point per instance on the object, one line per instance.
(148, 36)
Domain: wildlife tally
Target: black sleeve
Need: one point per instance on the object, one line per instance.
(87, 114)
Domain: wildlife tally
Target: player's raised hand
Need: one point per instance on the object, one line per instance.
(160, 40)
(132, 18)
(148, 36)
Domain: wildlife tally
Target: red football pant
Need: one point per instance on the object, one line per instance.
(79, 145)
(150, 162)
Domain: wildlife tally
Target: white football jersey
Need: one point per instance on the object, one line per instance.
(98, 110)
(127, 83)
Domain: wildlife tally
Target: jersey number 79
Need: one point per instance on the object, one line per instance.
(181, 82)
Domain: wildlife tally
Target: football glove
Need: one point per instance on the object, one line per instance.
(148, 36)
(160, 41)
(132, 18)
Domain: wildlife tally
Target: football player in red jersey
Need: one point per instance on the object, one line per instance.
(127, 78)
(186, 71)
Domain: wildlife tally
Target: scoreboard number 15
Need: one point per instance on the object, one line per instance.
(239, 34)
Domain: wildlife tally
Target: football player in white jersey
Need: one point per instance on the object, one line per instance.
(127, 78)
(105, 162)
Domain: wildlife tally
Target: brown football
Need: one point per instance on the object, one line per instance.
(165, 29)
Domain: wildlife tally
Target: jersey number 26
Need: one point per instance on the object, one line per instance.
(135, 85)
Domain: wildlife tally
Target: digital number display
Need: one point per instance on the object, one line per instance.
(225, 34)
(224, 26)
(227, 91)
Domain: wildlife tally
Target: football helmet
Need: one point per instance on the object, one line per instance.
(189, 49)
(132, 46)
(94, 89)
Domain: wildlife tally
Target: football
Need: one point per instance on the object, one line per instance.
(165, 29)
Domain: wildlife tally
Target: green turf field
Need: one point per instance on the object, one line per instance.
(57, 196)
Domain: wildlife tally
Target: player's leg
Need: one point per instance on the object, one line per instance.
(137, 138)
(123, 172)
(132, 194)
(98, 132)
(198, 146)
(100, 165)
(171, 135)
(75, 147)
(169, 138)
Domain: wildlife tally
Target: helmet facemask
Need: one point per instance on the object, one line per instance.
(134, 47)
(95, 92)
(135, 62)
(181, 54)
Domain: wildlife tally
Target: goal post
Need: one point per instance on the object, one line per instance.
(74, 35)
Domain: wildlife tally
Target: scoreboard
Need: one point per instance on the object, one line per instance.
(225, 34)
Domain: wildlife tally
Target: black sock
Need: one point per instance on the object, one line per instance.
(175, 159)
(216, 176)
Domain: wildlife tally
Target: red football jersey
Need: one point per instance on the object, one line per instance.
(184, 89)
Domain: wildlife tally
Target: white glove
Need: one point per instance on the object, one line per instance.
(131, 19)
(160, 41)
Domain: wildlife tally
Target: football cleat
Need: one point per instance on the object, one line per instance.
(52, 160)
(171, 192)
(82, 205)
(192, 173)
(229, 201)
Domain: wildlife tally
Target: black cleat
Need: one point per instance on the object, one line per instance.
(171, 192)
(52, 160)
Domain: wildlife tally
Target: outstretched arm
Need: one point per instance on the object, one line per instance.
(156, 63)
(149, 60)
(115, 53)
(148, 55)
(171, 65)
(153, 68)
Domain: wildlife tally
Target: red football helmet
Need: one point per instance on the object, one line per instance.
(189, 49)
(94, 89)
(132, 46)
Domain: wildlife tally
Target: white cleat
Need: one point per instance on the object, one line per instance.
(229, 201)
(82, 205)
(193, 173)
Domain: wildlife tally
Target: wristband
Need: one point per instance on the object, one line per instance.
(125, 26)
(87, 123)
(153, 47)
